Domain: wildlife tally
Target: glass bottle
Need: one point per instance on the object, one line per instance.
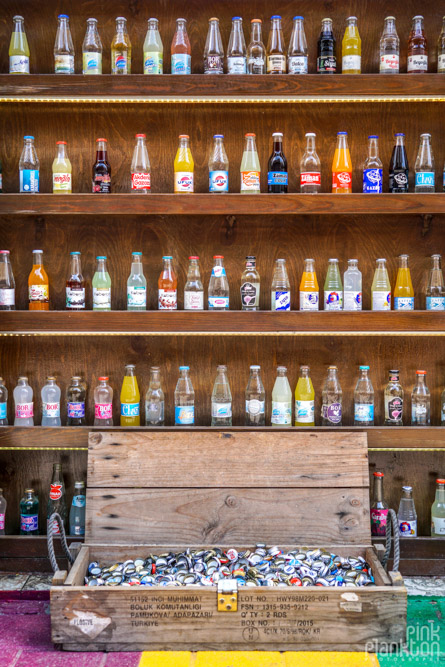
(403, 291)
(184, 399)
(101, 168)
(121, 48)
(193, 289)
(364, 399)
(326, 60)
(136, 284)
(250, 285)
(352, 292)
(213, 51)
(218, 166)
(351, 48)
(2, 512)
(77, 511)
(333, 288)
(92, 49)
(437, 510)
(38, 284)
(62, 171)
(280, 290)
(29, 166)
(23, 403)
(63, 47)
(140, 167)
(184, 166)
(379, 508)
(304, 399)
(309, 290)
(7, 282)
(417, 48)
(29, 513)
(342, 166)
(75, 285)
(103, 403)
(75, 402)
(153, 49)
(424, 166)
(57, 499)
(310, 167)
(277, 177)
(18, 48)
(420, 402)
(407, 516)
(440, 49)
(51, 403)
(442, 408)
(276, 55)
(297, 53)
(218, 294)
(154, 399)
(256, 51)
(381, 287)
(398, 166)
(393, 399)
(373, 167)
(435, 291)
(255, 399)
(389, 48)
(250, 168)
(332, 396)
(3, 403)
(101, 285)
(130, 398)
(236, 50)
(167, 286)
(181, 59)
(221, 399)
(281, 399)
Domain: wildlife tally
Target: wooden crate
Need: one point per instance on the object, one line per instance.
(152, 492)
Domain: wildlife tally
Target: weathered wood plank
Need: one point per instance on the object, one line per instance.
(59, 577)
(79, 568)
(380, 576)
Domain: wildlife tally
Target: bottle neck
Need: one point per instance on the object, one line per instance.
(309, 266)
(129, 371)
(153, 25)
(255, 34)
(326, 28)
(101, 151)
(378, 489)
(390, 26)
(310, 144)
(218, 261)
(18, 25)
(37, 258)
(342, 142)
(304, 373)
(121, 28)
(436, 264)
(421, 381)
(101, 266)
(61, 152)
(136, 264)
(22, 383)
(381, 265)
(417, 26)
(75, 265)
(277, 144)
(183, 143)
(440, 493)
(373, 147)
(250, 146)
(155, 377)
(403, 262)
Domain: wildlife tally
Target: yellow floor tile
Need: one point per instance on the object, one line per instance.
(239, 659)
(165, 659)
(330, 659)
(257, 659)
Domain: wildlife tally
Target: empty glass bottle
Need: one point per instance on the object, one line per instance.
(57, 499)
(75, 402)
(7, 282)
(332, 397)
(417, 48)
(256, 51)
(398, 166)
(281, 399)
(420, 401)
(255, 399)
(352, 290)
(389, 48)
(63, 47)
(75, 285)
(92, 49)
(379, 508)
(101, 285)
(310, 167)
(236, 50)
(221, 399)
(23, 403)
(213, 51)
(51, 403)
(326, 60)
(103, 403)
(277, 177)
(3, 403)
(441, 49)
(121, 48)
(364, 399)
(437, 510)
(393, 399)
(250, 285)
(218, 294)
(154, 399)
(193, 290)
(77, 511)
(407, 515)
(184, 399)
(29, 166)
(276, 55)
(381, 287)
(29, 513)
(435, 291)
(297, 53)
(372, 168)
(218, 166)
(333, 288)
(136, 284)
(153, 49)
(2, 512)
(424, 167)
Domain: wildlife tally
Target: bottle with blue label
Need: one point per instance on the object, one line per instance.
(121, 49)
(364, 399)
(29, 166)
(435, 291)
(424, 167)
(280, 292)
(333, 288)
(153, 49)
(373, 167)
(218, 286)
(403, 291)
(29, 513)
(218, 166)
(277, 177)
(130, 398)
(281, 399)
(352, 291)
(181, 58)
(221, 399)
(184, 399)
(92, 49)
(3, 404)
(77, 511)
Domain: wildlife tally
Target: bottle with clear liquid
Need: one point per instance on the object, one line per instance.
(403, 291)
(130, 398)
(121, 48)
(255, 399)
(250, 285)
(424, 167)
(407, 515)
(63, 47)
(2, 512)
(23, 403)
(92, 49)
(420, 402)
(381, 287)
(256, 51)
(277, 176)
(29, 513)
(153, 49)
(393, 399)
(221, 399)
(218, 166)
(213, 51)
(75, 402)
(3, 404)
(304, 399)
(326, 59)
(379, 508)
(435, 291)
(389, 48)
(103, 403)
(352, 290)
(332, 397)
(140, 167)
(136, 284)
(167, 286)
(51, 403)
(18, 48)
(276, 55)
(440, 49)
(417, 48)
(297, 53)
(57, 499)
(309, 290)
(333, 288)
(184, 399)
(62, 171)
(250, 168)
(218, 294)
(181, 59)
(281, 399)
(364, 399)
(373, 167)
(29, 166)
(236, 50)
(101, 285)
(38, 283)
(77, 511)
(310, 167)
(351, 48)
(193, 289)
(154, 399)
(437, 510)
(280, 290)
(7, 282)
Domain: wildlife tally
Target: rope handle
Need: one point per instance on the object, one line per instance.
(392, 524)
(50, 540)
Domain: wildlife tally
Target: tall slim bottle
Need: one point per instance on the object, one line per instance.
(281, 399)
(441, 49)
(310, 167)
(435, 291)
(256, 51)
(393, 399)
(218, 166)
(364, 399)
(153, 49)
(38, 283)
(309, 290)
(121, 48)
(398, 166)
(101, 168)
(2, 512)
(167, 286)
(304, 399)
(29, 166)
(236, 50)
(297, 53)
(75, 402)
(103, 403)
(420, 402)
(213, 51)
(407, 515)
(92, 49)
(7, 282)
(184, 167)
(379, 508)
(327, 59)
(77, 511)
(351, 48)
(75, 284)
(184, 399)
(342, 166)
(280, 290)
(181, 59)
(130, 398)
(403, 291)
(277, 177)
(63, 47)
(193, 289)
(276, 55)
(18, 48)
(154, 399)
(250, 285)
(221, 399)
(389, 48)
(352, 286)
(218, 292)
(381, 287)
(417, 48)
(3, 403)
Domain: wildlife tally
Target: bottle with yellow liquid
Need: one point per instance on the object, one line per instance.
(62, 170)
(403, 292)
(121, 48)
(309, 291)
(18, 48)
(351, 48)
(184, 166)
(130, 398)
(304, 399)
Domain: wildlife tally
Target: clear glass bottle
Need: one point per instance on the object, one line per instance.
(352, 286)
(437, 510)
(140, 167)
(379, 508)
(154, 399)
(153, 49)
(184, 399)
(38, 283)
(393, 399)
(281, 400)
(130, 398)
(221, 399)
(7, 282)
(373, 168)
(51, 403)
(364, 399)
(2, 512)
(255, 399)
(277, 176)
(276, 54)
(77, 511)
(213, 51)
(181, 59)
(193, 289)
(103, 403)
(18, 48)
(92, 49)
(121, 48)
(310, 167)
(424, 167)
(435, 291)
(351, 48)
(403, 291)
(218, 166)
(29, 513)
(440, 49)
(62, 171)
(333, 288)
(250, 285)
(57, 499)
(332, 398)
(420, 402)
(398, 166)
(75, 402)
(75, 284)
(236, 50)
(218, 293)
(256, 51)
(136, 284)
(3, 403)
(29, 166)
(407, 515)
(304, 399)
(389, 48)
(250, 168)
(63, 47)
(23, 403)
(297, 53)
(417, 48)
(167, 286)
(101, 285)
(381, 287)
(326, 59)
(280, 289)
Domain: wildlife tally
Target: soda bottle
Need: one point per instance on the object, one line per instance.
(61, 171)
(38, 284)
(407, 515)
(420, 402)
(29, 513)
(184, 166)
(297, 52)
(75, 285)
(393, 399)
(437, 510)
(213, 51)
(364, 399)
(23, 404)
(352, 292)
(153, 49)
(92, 49)
(29, 166)
(379, 508)
(250, 167)
(255, 399)
(103, 403)
(331, 409)
(193, 290)
(304, 399)
(236, 50)
(130, 398)
(75, 402)
(3, 404)
(1, 177)
(276, 56)
(181, 59)
(184, 399)
(281, 399)
(154, 399)
(440, 49)
(372, 168)
(101, 285)
(381, 287)
(63, 47)
(435, 291)
(121, 48)
(333, 288)
(57, 499)
(256, 51)
(7, 282)
(101, 168)
(342, 166)
(136, 284)
(424, 167)
(18, 48)
(326, 60)
(218, 166)
(280, 290)
(310, 167)
(309, 290)
(140, 167)
(403, 291)
(351, 48)
(218, 285)
(51, 403)
(2, 512)
(77, 511)
(398, 166)
(250, 285)
(221, 399)
(442, 408)
(389, 47)
(277, 168)
(417, 48)
(167, 286)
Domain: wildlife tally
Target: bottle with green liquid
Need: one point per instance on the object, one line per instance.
(101, 285)
(153, 49)
(18, 48)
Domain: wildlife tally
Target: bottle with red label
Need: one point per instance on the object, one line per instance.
(417, 48)
(29, 513)
(250, 167)
(310, 167)
(101, 168)
(62, 170)
(379, 508)
(167, 286)
(103, 403)
(23, 403)
(56, 500)
(184, 166)
(342, 166)
(140, 167)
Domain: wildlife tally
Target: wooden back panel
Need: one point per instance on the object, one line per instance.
(238, 488)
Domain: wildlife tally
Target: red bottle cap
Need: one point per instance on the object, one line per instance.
(101, 139)
(60, 142)
(140, 135)
(420, 372)
(184, 136)
(218, 256)
(378, 474)
(250, 134)
(440, 481)
(193, 257)
(103, 379)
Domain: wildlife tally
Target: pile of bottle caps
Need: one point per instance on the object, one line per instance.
(260, 567)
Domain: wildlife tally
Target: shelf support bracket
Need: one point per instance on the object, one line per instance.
(427, 220)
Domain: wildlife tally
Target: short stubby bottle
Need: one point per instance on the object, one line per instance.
(154, 399)
(193, 289)
(333, 288)
(221, 399)
(3, 403)
(63, 47)
(7, 282)
(281, 400)
(304, 399)
(92, 49)
(277, 176)
(352, 287)
(103, 403)
(398, 166)
(75, 402)
(407, 515)
(218, 294)
(153, 49)
(130, 398)
(276, 55)
(250, 168)
(389, 48)
(424, 167)
(417, 48)
(280, 290)
(373, 168)
(213, 51)
(184, 167)
(297, 54)
(351, 48)
(140, 167)
(326, 59)
(18, 48)
(381, 287)
(255, 414)
(420, 402)
(309, 290)
(136, 284)
(23, 403)
(393, 399)
(167, 286)
(236, 50)
(250, 285)
(218, 166)
(403, 291)
(184, 399)
(51, 403)
(29, 166)
(379, 508)
(310, 167)
(75, 284)
(332, 398)
(364, 399)
(181, 59)
(101, 285)
(435, 291)
(121, 49)
(29, 513)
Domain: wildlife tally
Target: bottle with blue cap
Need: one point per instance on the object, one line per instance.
(297, 53)
(184, 399)
(373, 168)
(63, 47)
(398, 166)
(236, 50)
(364, 399)
(218, 166)
(29, 166)
(101, 285)
(276, 56)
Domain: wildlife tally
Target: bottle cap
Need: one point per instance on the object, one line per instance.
(394, 372)
(298, 17)
(103, 379)
(282, 368)
(250, 134)
(130, 366)
(373, 136)
(193, 257)
(277, 134)
(185, 20)
(351, 18)
(218, 136)
(250, 258)
(218, 256)
(399, 134)
(184, 136)
(345, 133)
(121, 18)
(28, 136)
(275, 16)
(75, 253)
(41, 251)
(4, 252)
(378, 474)
(381, 259)
(50, 377)
(60, 142)
(63, 16)
(309, 260)
(136, 253)
(332, 367)
(407, 488)
(417, 17)
(256, 21)
(157, 21)
(213, 19)
(237, 18)
(333, 260)
(304, 368)
(18, 18)
(101, 139)
(91, 20)
(310, 134)
(420, 372)
(425, 134)
(142, 136)
(29, 490)
(255, 368)
(101, 257)
(364, 368)
(184, 368)
(167, 257)
(440, 481)
(23, 377)
(388, 18)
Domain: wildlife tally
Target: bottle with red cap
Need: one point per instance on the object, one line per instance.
(57, 499)
(103, 403)
(438, 510)
(101, 168)
(61, 171)
(193, 290)
(379, 508)
(140, 167)
(250, 167)
(184, 166)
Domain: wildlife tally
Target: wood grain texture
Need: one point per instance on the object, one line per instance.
(79, 568)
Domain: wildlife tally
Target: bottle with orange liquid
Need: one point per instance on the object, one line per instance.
(309, 291)
(342, 166)
(168, 286)
(38, 284)
(403, 292)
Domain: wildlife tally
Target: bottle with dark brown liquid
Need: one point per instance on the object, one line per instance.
(75, 285)
(101, 168)
(417, 48)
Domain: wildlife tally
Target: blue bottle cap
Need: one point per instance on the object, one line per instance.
(275, 16)
(218, 136)
(101, 257)
(75, 253)
(237, 18)
(299, 17)
(136, 253)
(63, 16)
(28, 136)
(364, 368)
(342, 133)
(399, 134)
(167, 257)
(373, 136)
(184, 368)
